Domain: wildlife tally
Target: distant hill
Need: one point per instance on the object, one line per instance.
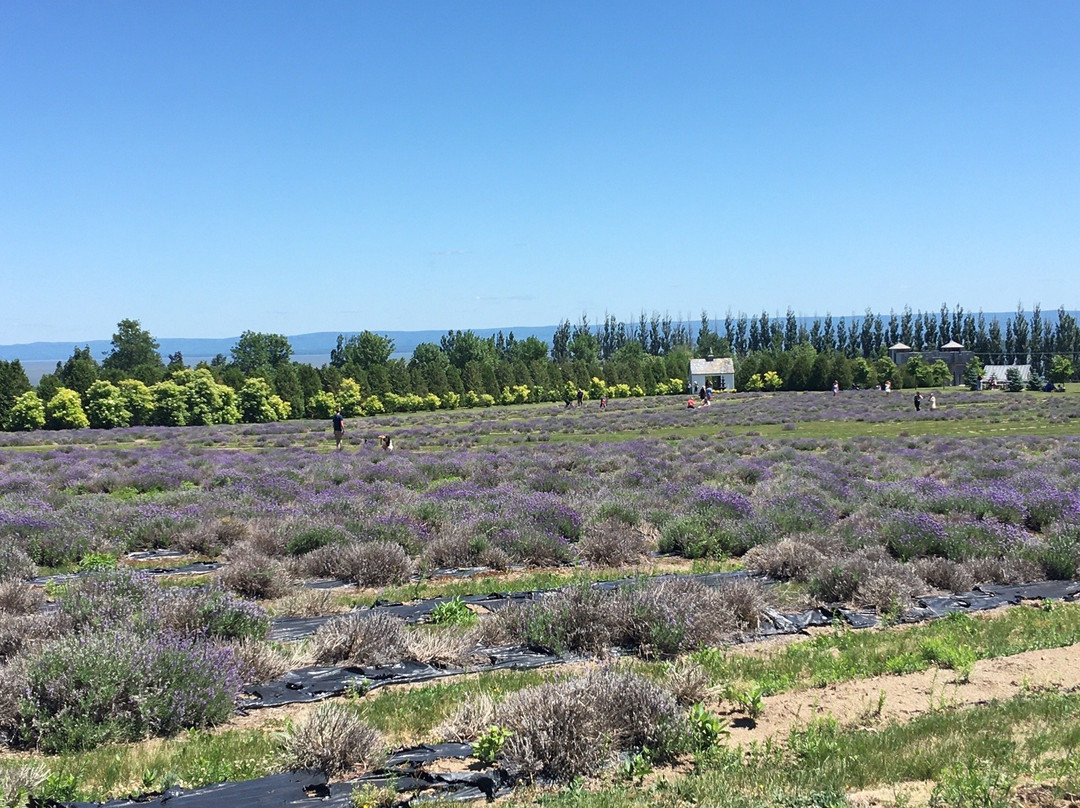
(38, 358)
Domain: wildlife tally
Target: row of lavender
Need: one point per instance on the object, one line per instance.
(540, 503)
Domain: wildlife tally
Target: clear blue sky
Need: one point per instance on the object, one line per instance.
(210, 167)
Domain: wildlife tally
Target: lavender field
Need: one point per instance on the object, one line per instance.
(854, 500)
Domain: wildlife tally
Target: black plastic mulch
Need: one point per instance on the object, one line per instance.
(403, 772)
(315, 684)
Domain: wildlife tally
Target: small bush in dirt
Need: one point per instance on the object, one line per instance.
(571, 619)
(868, 577)
(13, 683)
(785, 560)
(15, 564)
(700, 535)
(472, 717)
(210, 538)
(259, 661)
(22, 633)
(745, 600)
(110, 598)
(570, 728)
(313, 538)
(17, 597)
(454, 549)
(687, 680)
(941, 573)
(97, 687)
(665, 618)
(443, 648)
(1003, 570)
(489, 743)
(306, 603)
(1059, 553)
(213, 611)
(375, 563)
(322, 562)
(252, 574)
(16, 782)
(537, 548)
(377, 639)
(612, 543)
(334, 740)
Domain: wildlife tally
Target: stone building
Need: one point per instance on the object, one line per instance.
(952, 353)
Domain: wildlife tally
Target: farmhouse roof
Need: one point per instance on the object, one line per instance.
(717, 367)
(952, 345)
(998, 372)
(899, 347)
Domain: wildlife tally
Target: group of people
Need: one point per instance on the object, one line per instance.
(386, 443)
(704, 394)
(917, 400)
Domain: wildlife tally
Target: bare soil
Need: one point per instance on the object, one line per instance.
(898, 699)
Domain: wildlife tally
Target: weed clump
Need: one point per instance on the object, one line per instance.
(334, 740)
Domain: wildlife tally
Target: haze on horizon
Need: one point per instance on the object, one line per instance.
(287, 168)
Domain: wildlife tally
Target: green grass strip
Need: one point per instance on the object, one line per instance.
(845, 654)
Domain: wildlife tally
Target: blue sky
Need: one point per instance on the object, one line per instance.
(210, 167)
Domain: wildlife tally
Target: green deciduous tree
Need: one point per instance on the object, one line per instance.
(366, 350)
(255, 350)
(137, 399)
(1061, 369)
(170, 404)
(350, 398)
(27, 413)
(134, 353)
(65, 411)
(254, 400)
(105, 406)
(13, 383)
(78, 372)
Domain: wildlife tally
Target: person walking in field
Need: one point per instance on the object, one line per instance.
(835, 386)
(580, 397)
(339, 427)
(933, 402)
(918, 401)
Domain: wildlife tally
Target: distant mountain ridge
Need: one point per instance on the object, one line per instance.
(320, 342)
(310, 346)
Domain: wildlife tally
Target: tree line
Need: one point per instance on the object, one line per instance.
(258, 381)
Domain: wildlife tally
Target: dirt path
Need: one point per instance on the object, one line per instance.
(886, 699)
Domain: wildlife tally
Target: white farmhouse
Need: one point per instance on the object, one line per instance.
(721, 372)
